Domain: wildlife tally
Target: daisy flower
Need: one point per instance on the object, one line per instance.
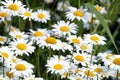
(41, 16)
(80, 58)
(50, 42)
(4, 14)
(13, 7)
(21, 47)
(79, 14)
(84, 47)
(3, 39)
(6, 53)
(27, 14)
(65, 46)
(37, 35)
(62, 6)
(57, 65)
(90, 74)
(18, 34)
(49, 1)
(21, 68)
(63, 28)
(115, 62)
(74, 39)
(100, 9)
(95, 39)
(12, 29)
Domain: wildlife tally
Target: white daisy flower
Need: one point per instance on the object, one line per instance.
(84, 47)
(18, 34)
(115, 62)
(12, 29)
(62, 6)
(94, 39)
(50, 42)
(100, 9)
(3, 39)
(79, 14)
(65, 46)
(21, 69)
(27, 13)
(41, 16)
(57, 66)
(14, 8)
(4, 14)
(80, 58)
(21, 47)
(63, 28)
(6, 53)
(90, 74)
(49, 1)
(37, 35)
(74, 39)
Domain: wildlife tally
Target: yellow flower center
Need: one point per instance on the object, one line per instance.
(5, 55)
(12, 29)
(79, 58)
(109, 56)
(94, 38)
(98, 70)
(79, 13)
(63, 7)
(1, 39)
(58, 67)
(119, 74)
(13, 7)
(83, 47)
(89, 73)
(20, 67)
(64, 28)
(18, 36)
(21, 46)
(117, 61)
(77, 79)
(10, 75)
(98, 8)
(77, 71)
(38, 34)
(65, 74)
(76, 41)
(13, 60)
(41, 15)
(51, 40)
(3, 14)
(28, 14)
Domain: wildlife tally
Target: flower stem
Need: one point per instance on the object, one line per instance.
(79, 2)
(3, 68)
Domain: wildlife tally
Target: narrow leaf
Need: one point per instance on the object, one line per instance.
(102, 21)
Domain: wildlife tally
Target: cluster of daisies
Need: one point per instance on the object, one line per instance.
(74, 56)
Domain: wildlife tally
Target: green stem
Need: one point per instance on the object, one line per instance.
(3, 68)
(27, 3)
(31, 24)
(117, 75)
(79, 2)
(38, 62)
(21, 28)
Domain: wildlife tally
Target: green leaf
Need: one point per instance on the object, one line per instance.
(102, 21)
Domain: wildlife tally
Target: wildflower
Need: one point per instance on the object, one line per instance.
(49, 1)
(95, 39)
(79, 14)
(27, 13)
(4, 14)
(41, 16)
(62, 6)
(37, 35)
(2, 39)
(21, 69)
(14, 8)
(100, 9)
(18, 35)
(57, 65)
(21, 47)
(63, 28)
